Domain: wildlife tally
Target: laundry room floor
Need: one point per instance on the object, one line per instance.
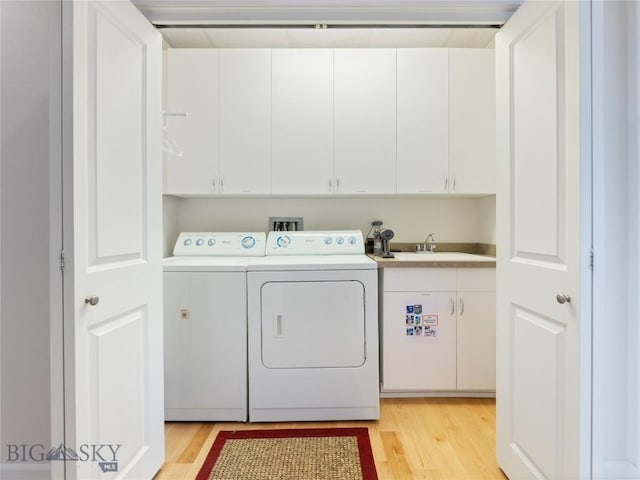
(415, 438)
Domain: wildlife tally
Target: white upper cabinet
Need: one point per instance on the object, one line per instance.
(423, 120)
(472, 130)
(326, 121)
(245, 120)
(192, 88)
(365, 120)
(302, 121)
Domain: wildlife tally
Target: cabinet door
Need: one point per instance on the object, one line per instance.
(423, 120)
(192, 88)
(302, 130)
(472, 131)
(476, 341)
(365, 120)
(419, 341)
(245, 120)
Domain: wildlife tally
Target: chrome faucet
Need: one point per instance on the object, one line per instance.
(429, 243)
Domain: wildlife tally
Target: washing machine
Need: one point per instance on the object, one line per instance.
(205, 325)
(313, 329)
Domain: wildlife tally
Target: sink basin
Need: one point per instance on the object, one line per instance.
(441, 257)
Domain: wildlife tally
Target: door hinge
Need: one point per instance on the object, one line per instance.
(62, 260)
(591, 259)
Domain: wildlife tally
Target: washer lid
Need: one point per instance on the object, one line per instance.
(205, 264)
(219, 244)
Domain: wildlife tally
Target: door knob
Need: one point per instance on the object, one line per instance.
(563, 298)
(92, 300)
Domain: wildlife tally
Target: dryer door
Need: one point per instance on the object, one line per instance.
(313, 324)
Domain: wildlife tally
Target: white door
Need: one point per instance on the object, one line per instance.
(539, 330)
(113, 349)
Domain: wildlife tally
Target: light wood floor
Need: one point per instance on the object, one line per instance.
(415, 438)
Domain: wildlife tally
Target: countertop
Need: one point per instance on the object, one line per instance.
(483, 258)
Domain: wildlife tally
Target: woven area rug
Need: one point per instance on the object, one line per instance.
(290, 454)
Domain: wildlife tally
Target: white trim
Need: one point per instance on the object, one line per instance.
(282, 12)
(56, 365)
(586, 242)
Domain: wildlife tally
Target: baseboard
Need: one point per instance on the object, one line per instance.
(437, 394)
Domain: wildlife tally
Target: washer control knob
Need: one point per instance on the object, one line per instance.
(211, 242)
(352, 240)
(339, 240)
(328, 241)
(199, 242)
(248, 242)
(188, 242)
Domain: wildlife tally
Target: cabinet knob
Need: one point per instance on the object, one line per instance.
(563, 298)
(92, 300)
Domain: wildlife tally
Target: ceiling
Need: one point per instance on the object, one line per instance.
(330, 38)
(327, 23)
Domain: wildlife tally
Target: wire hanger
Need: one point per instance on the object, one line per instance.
(169, 144)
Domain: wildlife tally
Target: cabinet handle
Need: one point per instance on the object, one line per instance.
(453, 305)
(461, 306)
(214, 184)
(330, 185)
(337, 185)
(221, 184)
(278, 325)
(446, 183)
(453, 183)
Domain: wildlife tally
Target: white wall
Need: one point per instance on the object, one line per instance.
(616, 392)
(487, 220)
(30, 226)
(411, 218)
(170, 223)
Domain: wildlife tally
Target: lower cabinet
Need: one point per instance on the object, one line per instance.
(437, 329)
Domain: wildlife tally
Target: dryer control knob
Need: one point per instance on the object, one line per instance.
(339, 240)
(283, 241)
(328, 241)
(199, 242)
(188, 242)
(211, 242)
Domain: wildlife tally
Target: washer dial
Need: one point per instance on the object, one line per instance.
(248, 242)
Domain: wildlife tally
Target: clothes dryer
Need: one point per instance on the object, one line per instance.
(313, 329)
